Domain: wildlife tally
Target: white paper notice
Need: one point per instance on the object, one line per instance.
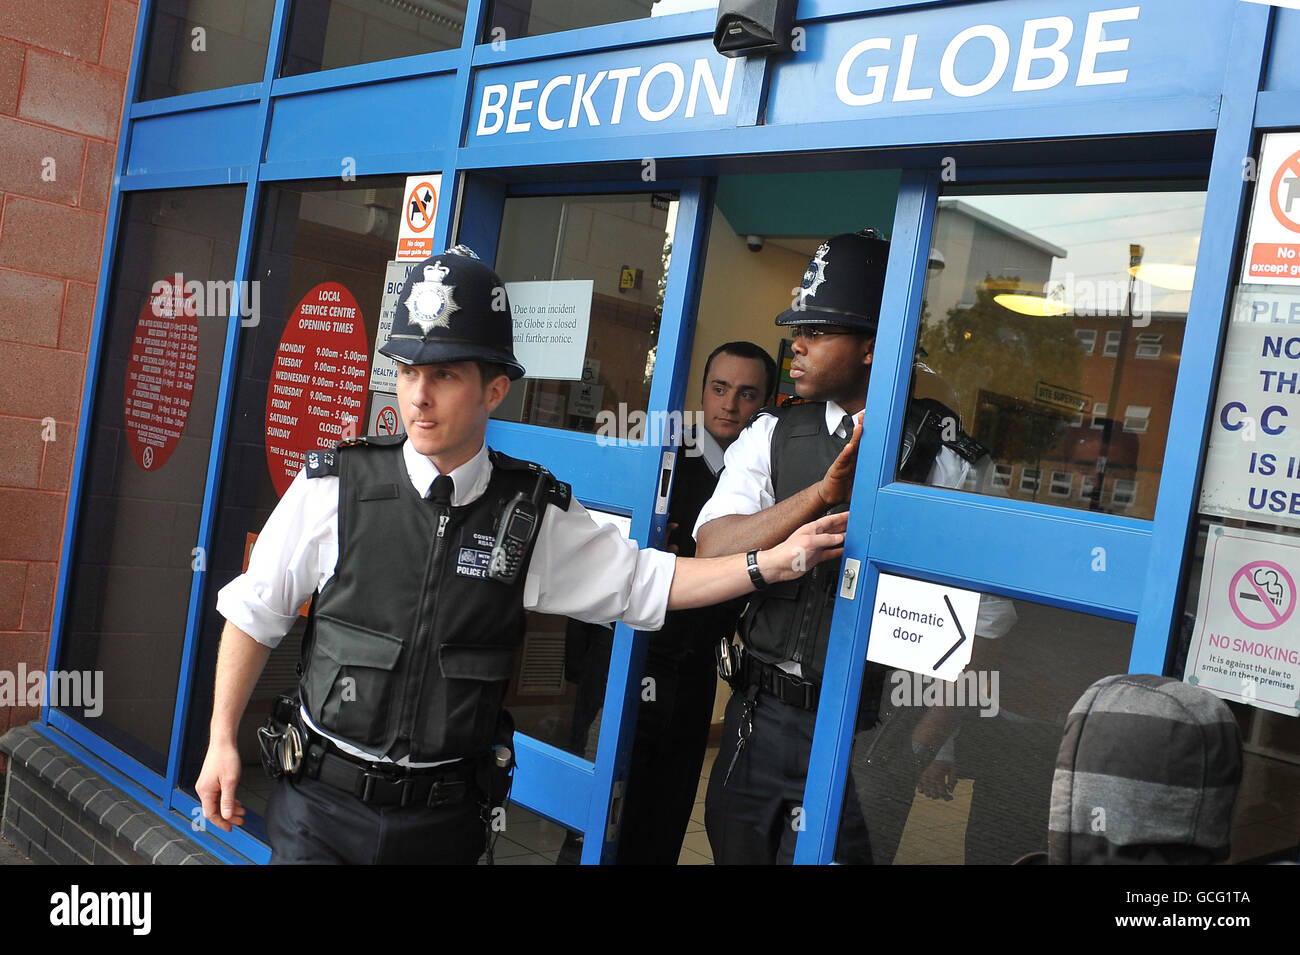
(383, 370)
(1252, 466)
(1246, 645)
(551, 320)
(923, 627)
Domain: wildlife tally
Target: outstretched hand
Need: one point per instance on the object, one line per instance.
(809, 545)
(836, 486)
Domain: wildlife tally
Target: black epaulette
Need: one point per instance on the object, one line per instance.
(322, 464)
(373, 440)
(554, 491)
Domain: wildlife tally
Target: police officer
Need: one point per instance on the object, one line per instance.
(424, 551)
(789, 466)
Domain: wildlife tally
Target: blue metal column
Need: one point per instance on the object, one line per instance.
(877, 458)
(1180, 477)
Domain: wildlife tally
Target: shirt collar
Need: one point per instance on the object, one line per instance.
(470, 479)
(712, 451)
(834, 415)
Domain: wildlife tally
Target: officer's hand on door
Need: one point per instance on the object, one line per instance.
(217, 783)
(808, 546)
(836, 487)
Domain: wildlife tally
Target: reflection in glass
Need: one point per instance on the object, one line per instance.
(961, 772)
(327, 34)
(147, 464)
(196, 45)
(1053, 329)
(621, 245)
(515, 18)
(309, 233)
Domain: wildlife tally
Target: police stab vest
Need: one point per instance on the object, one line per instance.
(791, 621)
(413, 644)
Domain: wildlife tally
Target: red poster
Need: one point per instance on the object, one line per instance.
(318, 381)
(160, 375)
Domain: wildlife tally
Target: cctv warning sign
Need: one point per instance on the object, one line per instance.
(1273, 248)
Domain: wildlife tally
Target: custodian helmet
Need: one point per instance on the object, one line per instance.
(843, 283)
(453, 308)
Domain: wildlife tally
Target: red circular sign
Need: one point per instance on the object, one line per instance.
(160, 374)
(420, 206)
(318, 381)
(1292, 166)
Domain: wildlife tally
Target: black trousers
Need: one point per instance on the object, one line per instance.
(672, 734)
(755, 818)
(310, 822)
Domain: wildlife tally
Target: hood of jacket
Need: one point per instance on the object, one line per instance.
(1147, 772)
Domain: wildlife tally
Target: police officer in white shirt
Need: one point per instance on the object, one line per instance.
(789, 466)
(424, 551)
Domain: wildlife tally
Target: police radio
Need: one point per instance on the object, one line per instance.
(515, 532)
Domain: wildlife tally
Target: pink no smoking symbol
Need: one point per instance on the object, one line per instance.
(1262, 595)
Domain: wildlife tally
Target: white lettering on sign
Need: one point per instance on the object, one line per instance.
(660, 94)
(992, 57)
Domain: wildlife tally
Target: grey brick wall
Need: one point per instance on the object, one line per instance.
(58, 811)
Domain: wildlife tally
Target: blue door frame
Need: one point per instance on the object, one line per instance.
(623, 480)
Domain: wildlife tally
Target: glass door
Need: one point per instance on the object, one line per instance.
(1041, 326)
(601, 284)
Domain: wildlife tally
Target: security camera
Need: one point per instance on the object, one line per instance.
(754, 243)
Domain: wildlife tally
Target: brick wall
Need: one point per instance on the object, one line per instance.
(63, 70)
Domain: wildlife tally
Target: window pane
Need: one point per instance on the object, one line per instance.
(1038, 317)
(997, 728)
(147, 461)
(326, 34)
(514, 18)
(316, 241)
(206, 44)
(606, 255)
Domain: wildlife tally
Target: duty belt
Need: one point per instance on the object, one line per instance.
(379, 784)
(777, 682)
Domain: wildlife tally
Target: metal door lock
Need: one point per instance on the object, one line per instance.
(849, 582)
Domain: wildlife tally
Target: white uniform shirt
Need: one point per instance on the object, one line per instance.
(578, 568)
(745, 487)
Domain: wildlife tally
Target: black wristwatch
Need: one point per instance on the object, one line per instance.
(755, 575)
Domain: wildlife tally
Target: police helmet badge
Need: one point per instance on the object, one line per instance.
(431, 303)
(815, 274)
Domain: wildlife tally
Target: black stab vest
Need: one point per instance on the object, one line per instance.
(790, 621)
(412, 644)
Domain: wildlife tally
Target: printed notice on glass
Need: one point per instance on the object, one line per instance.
(923, 627)
(1246, 645)
(1273, 243)
(551, 320)
(383, 370)
(318, 381)
(1252, 467)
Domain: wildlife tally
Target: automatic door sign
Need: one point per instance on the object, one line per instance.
(923, 627)
(1274, 245)
(160, 374)
(1245, 645)
(415, 232)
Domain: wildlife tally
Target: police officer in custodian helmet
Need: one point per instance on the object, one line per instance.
(423, 551)
(789, 466)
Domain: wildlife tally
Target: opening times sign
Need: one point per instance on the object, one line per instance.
(318, 381)
(160, 374)
(1252, 467)
(1246, 646)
